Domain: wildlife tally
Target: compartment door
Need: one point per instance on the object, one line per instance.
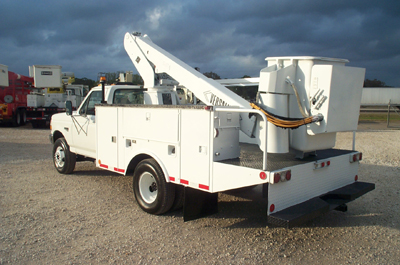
(195, 148)
(107, 129)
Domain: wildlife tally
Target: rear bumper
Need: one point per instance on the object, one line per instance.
(336, 199)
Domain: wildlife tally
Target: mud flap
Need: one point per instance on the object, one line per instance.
(198, 204)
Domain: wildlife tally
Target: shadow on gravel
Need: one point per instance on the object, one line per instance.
(24, 151)
(254, 216)
(247, 209)
(377, 208)
(27, 126)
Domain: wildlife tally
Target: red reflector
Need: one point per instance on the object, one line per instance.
(277, 177)
(360, 157)
(208, 107)
(204, 187)
(328, 163)
(354, 158)
(119, 170)
(322, 164)
(272, 208)
(356, 178)
(288, 175)
(263, 175)
(172, 178)
(186, 182)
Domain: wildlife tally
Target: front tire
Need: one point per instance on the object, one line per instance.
(153, 194)
(64, 160)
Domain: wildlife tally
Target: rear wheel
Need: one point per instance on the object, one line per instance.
(179, 197)
(23, 117)
(16, 119)
(153, 194)
(64, 160)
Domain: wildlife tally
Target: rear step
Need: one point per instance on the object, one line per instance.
(336, 199)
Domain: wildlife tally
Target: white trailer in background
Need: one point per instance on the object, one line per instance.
(53, 89)
(4, 75)
(186, 154)
(380, 96)
(373, 98)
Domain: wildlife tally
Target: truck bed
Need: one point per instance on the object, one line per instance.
(251, 156)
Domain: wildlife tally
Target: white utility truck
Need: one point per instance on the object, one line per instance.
(186, 154)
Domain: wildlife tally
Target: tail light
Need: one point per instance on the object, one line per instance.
(288, 175)
(355, 157)
(277, 177)
(322, 164)
(272, 208)
(282, 176)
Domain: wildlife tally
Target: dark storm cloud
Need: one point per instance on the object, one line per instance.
(231, 38)
(365, 32)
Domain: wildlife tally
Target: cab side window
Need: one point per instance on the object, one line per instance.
(88, 107)
(129, 96)
(167, 99)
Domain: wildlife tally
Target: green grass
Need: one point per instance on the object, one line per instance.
(378, 117)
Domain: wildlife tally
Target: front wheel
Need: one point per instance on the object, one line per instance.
(153, 194)
(63, 159)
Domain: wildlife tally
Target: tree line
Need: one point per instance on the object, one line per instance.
(248, 93)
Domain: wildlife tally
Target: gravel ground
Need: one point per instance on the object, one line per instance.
(91, 217)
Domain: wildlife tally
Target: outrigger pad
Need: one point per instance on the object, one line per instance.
(198, 204)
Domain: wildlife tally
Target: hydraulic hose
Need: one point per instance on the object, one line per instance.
(284, 122)
(305, 115)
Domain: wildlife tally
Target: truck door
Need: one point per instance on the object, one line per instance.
(84, 129)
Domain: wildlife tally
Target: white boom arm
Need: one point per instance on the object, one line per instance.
(150, 60)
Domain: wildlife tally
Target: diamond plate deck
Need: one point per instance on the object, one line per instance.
(251, 156)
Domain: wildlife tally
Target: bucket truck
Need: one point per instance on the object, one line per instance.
(53, 89)
(184, 155)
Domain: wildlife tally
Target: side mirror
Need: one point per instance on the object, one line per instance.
(68, 107)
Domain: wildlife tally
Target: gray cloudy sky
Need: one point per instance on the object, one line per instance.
(230, 38)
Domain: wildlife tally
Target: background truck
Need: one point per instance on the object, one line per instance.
(14, 89)
(184, 155)
(53, 89)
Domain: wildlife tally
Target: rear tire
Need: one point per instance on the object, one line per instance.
(153, 194)
(16, 121)
(64, 160)
(23, 117)
(179, 197)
